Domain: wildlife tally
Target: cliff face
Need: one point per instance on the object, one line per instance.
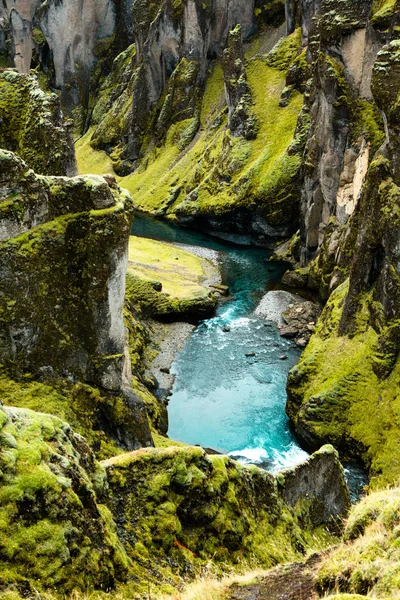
(169, 512)
(63, 260)
(54, 245)
(350, 204)
(33, 126)
(74, 43)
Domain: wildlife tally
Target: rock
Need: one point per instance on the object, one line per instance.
(62, 273)
(274, 304)
(226, 329)
(320, 480)
(288, 332)
(296, 279)
(222, 289)
(55, 491)
(36, 130)
(241, 119)
(157, 285)
(165, 370)
(250, 354)
(283, 357)
(300, 322)
(187, 488)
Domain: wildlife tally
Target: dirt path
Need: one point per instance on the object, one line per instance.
(289, 582)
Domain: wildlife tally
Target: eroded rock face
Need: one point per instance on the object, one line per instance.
(69, 40)
(350, 203)
(55, 532)
(63, 263)
(213, 506)
(319, 481)
(32, 125)
(343, 47)
(173, 48)
(65, 34)
(242, 121)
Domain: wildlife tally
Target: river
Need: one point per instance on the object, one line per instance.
(223, 399)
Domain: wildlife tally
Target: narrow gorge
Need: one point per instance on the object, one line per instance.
(199, 299)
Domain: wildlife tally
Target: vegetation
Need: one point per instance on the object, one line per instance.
(32, 125)
(180, 273)
(218, 173)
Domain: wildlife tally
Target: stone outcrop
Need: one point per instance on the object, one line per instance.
(346, 126)
(180, 500)
(69, 522)
(241, 120)
(299, 322)
(63, 263)
(173, 45)
(32, 125)
(63, 258)
(65, 38)
(55, 533)
(319, 481)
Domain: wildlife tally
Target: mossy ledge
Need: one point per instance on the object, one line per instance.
(33, 126)
(154, 515)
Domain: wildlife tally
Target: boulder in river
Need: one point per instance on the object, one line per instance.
(299, 322)
(274, 304)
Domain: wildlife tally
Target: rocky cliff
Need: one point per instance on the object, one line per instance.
(63, 259)
(222, 116)
(152, 517)
(349, 222)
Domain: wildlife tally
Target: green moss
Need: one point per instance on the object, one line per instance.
(368, 562)
(367, 121)
(52, 534)
(32, 125)
(334, 391)
(164, 442)
(180, 273)
(383, 11)
(285, 51)
(189, 507)
(80, 405)
(92, 161)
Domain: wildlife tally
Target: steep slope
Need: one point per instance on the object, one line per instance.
(346, 386)
(170, 513)
(63, 258)
(33, 126)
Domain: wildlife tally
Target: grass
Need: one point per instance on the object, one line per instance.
(77, 404)
(163, 442)
(369, 559)
(343, 396)
(180, 272)
(89, 161)
(217, 173)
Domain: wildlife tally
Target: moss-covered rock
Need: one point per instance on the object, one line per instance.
(367, 563)
(225, 182)
(180, 505)
(241, 119)
(54, 531)
(63, 281)
(63, 260)
(32, 125)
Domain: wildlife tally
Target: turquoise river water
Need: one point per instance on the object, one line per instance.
(221, 398)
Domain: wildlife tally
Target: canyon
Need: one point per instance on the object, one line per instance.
(272, 128)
